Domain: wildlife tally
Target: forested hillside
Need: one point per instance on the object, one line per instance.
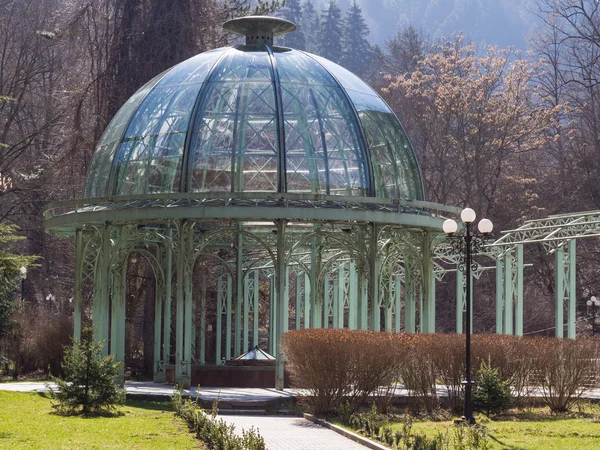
(515, 135)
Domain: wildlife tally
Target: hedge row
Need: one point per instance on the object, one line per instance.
(349, 365)
(214, 432)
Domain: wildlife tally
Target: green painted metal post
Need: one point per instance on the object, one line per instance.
(246, 325)
(180, 304)
(228, 313)
(374, 278)
(389, 303)
(519, 293)
(335, 305)
(428, 287)
(239, 299)
(299, 300)
(353, 298)
(316, 304)
(409, 301)
(120, 323)
(341, 285)
(499, 295)
(78, 286)
(572, 298)
(105, 288)
(203, 321)
(282, 310)
(307, 300)
(272, 315)
(397, 303)
(326, 300)
(508, 293)
(460, 300)
(219, 324)
(158, 311)
(168, 268)
(188, 322)
(559, 291)
(255, 309)
(363, 298)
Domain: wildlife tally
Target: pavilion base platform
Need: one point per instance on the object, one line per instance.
(232, 376)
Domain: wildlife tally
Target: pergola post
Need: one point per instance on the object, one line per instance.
(508, 293)
(78, 294)
(519, 291)
(316, 303)
(239, 298)
(397, 304)
(189, 307)
(307, 300)
(256, 282)
(168, 271)
(499, 295)
(374, 267)
(282, 310)
(272, 315)
(181, 376)
(409, 300)
(352, 298)
(203, 321)
(559, 291)
(101, 310)
(572, 305)
(428, 286)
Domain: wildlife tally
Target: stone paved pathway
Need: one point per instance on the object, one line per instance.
(293, 433)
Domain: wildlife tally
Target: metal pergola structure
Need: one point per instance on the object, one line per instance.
(269, 188)
(354, 262)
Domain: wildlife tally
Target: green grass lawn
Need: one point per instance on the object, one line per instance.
(27, 421)
(537, 429)
(532, 430)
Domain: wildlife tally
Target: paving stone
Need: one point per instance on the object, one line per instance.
(293, 433)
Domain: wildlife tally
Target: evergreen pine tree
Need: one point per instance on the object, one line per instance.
(330, 36)
(293, 12)
(89, 379)
(311, 26)
(357, 52)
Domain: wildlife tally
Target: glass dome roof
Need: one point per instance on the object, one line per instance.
(255, 118)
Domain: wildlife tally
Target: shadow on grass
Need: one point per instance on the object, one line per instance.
(136, 404)
(511, 447)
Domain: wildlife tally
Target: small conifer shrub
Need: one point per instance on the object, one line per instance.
(89, 381)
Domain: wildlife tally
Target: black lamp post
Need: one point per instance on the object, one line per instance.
(593, 302)
(464, 244)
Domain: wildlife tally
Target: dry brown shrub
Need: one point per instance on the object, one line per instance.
(340, 364)
(449, 360)
(564, 368)
(418, 372)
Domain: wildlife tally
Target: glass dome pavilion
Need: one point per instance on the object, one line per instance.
(256, 118)
(265, 177)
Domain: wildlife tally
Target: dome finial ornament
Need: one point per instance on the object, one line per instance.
(259, 29)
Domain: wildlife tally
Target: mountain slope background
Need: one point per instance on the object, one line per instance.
(490, 22)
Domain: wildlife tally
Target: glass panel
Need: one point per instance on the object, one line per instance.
(296, 67)
(394, 162)
(149, 158)
(323, 148)
(99, 172)
(235, 144)
(193, 70)
(244, 64)
(346, 78)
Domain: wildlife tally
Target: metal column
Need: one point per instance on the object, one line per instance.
(282, 310)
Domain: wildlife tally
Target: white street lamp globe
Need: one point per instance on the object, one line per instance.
(468, 215)
(450, 226)
(485, 226)
(589, 303)
(23, 271)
